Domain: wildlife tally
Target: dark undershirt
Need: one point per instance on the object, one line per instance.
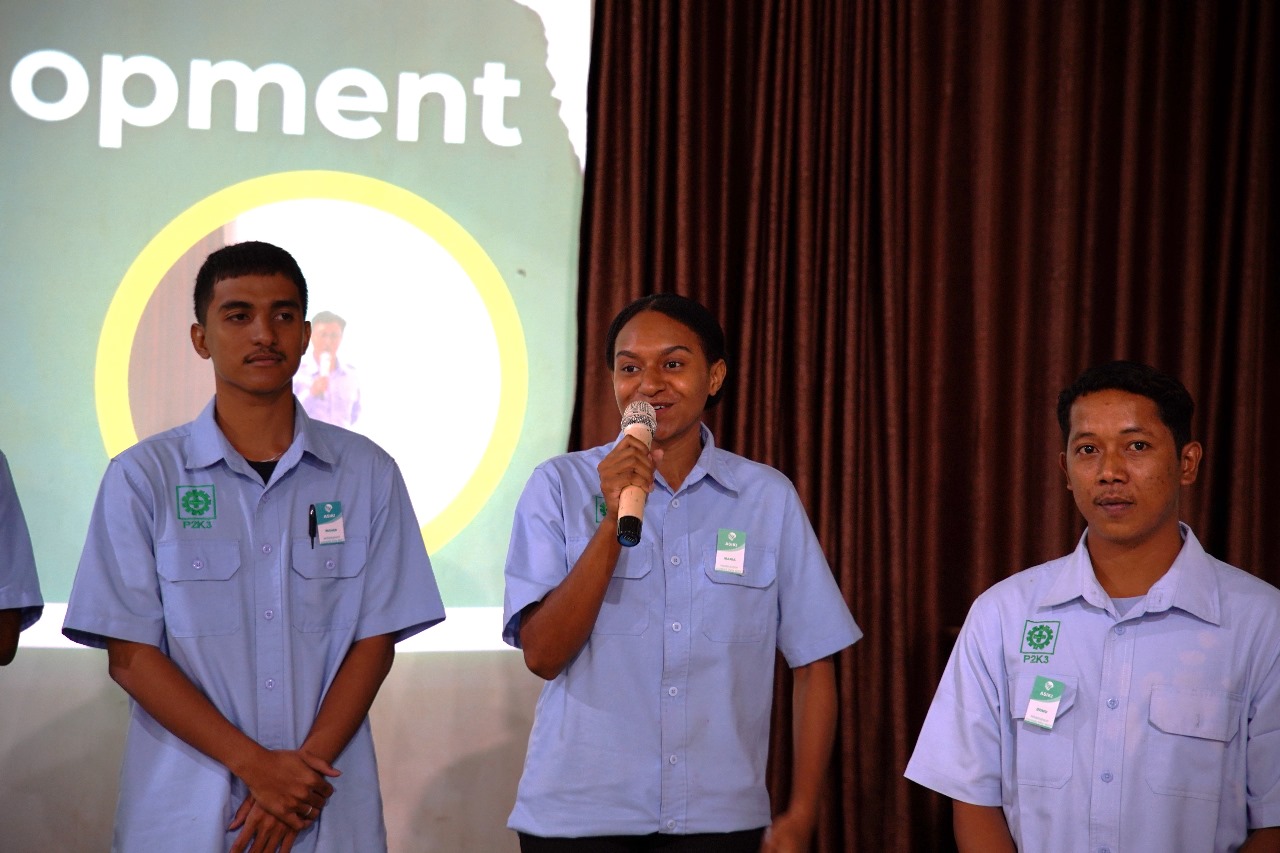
(264, 469)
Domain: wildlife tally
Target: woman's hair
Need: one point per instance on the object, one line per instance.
(683, 310)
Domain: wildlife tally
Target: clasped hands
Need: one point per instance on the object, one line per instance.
(287, 791)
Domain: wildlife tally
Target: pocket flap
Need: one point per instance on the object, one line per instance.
(197, 559)
(1208, 714)
(328, 561)
(1021, 684)
(633, 562)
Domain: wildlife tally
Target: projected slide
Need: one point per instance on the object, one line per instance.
(422, 159)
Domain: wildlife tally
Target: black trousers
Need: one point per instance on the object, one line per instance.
(747, 841)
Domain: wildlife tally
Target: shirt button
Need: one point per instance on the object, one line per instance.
(673, 759)
(271, 683)
(675, 503)
(1119, 629)
(671, 824)
(328, 564)
(1107, 777)
(270, 614)
(672, 691)
(1113, 703)
(197, 564)
(675, 561)
(266, 549)
(675, 626)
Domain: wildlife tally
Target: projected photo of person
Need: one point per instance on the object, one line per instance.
(328, 386)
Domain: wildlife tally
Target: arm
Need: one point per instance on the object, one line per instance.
(980, 829)
(10, 625)
(285, 782)
(1263, 841)
(554, 630)
(813, 732)
(344, 708)
(350, 696)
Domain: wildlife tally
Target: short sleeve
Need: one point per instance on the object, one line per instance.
(958, 753)
(401, 596)
(814, 620)
(19, 583)
(537, 556)
(116, 593)
(1262, 751)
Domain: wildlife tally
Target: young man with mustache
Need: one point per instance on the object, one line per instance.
(249, 574)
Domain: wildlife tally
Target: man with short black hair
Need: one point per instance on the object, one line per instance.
(249, 574)
(1125, 697)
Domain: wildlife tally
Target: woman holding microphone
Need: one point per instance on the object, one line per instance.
(652, 730)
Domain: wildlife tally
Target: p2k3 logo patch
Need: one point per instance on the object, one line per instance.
(197, 506)
(1039, 640)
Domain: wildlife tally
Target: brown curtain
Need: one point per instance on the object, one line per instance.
(919, 220)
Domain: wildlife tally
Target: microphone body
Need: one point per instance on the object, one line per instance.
(641, 421)
(326, 363)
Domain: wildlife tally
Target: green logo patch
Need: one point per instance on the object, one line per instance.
(1039, 638)
(601, 509)
(197, 503)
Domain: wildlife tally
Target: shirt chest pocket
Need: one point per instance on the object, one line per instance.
(1189, 730)
(325, 587)
(198, 587)
(1043, 757)
(625, 609)
(740, 608)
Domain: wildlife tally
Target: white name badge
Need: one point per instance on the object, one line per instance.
(1042, 707)
(731, 551)
(329, 526)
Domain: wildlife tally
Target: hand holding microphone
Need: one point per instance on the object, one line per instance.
(320, 384)
(641, 421)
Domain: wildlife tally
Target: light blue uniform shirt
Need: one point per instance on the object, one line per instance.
(661, 722)
(19, 585)
(188, 551)
(1167, 737)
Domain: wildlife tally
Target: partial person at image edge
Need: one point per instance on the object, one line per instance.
(20, 601)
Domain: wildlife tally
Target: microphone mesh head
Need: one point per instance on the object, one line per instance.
(640, 412)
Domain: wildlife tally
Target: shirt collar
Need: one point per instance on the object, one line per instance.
(1190, 584)
(206, 445)
(709, 464)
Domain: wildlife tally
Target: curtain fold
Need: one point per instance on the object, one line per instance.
(918, 221)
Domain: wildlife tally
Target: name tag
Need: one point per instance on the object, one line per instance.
(731, 551)
(329, 525)
(1042, 707)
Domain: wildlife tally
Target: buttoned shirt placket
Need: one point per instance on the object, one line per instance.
(677, 637)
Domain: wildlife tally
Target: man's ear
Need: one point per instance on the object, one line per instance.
(1189, 462)
(197, 340)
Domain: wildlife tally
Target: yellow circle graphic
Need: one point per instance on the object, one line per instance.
(111, 375)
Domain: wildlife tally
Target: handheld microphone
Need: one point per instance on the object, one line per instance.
(326, 363)
(641, 421)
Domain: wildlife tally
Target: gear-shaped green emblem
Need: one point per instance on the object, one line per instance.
(1040, 636)
(196, 502)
